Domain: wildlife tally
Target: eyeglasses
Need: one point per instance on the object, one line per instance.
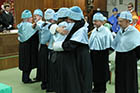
(129, 6)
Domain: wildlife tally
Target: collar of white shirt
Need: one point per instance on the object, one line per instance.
(6, 12)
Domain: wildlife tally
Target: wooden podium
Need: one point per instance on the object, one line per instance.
(8, 50)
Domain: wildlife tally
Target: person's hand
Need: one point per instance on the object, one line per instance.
(113, 34)
(61, 30)
(10, 26)
(64, 32)
(47, 44)
(34, 25)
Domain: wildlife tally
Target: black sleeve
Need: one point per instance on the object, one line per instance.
(0, 19)
(4, 20)
(137, 50)
(70, 45)
(12, 19)
(44, 24)
(7, 19)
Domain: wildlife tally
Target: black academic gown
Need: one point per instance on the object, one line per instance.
(100, 59)
(28, 53)
(43, 60)
(74, 66)
(51, 72)
(74, 69)
(84, 66)
(126, 71)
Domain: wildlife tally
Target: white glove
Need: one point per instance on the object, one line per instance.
(10, 26)
(114, 34)
(57, 46)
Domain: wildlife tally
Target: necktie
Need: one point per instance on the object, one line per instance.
(97, 30)
(123, 31)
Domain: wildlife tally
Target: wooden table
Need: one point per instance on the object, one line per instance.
(8, 50)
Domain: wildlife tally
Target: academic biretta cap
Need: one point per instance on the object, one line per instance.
(26, 14)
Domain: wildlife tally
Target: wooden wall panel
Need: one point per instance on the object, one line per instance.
(20, 5)
(48, 3)
(81, 3)
(102, 4)
(63, 3)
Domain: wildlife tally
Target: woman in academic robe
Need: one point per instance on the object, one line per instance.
(73, 61)
(100, 42)
(127, 47)
(28, 45)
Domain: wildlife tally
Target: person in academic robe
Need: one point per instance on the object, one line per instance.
(28, 45)
(7, 19)
(74, 72)
(113, 20)
(100, 42)
(106, 24)
(45, 41)
(49, 73)
(127, 47)
(38, 15)
(38, 19)
(62, 22)
(56, 36)
(109, 26)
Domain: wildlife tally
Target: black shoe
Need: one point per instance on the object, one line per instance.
(98, 92)
(49, 90)
(36, 80)
(29, 81)
(43, 87)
